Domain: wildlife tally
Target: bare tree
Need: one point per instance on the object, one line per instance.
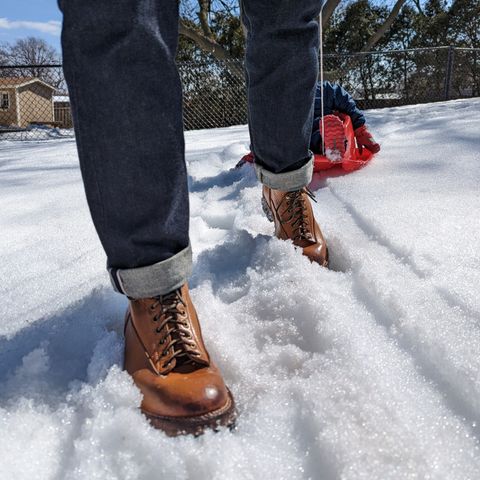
(3, 55)
(31, 53)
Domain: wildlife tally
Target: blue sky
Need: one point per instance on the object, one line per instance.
(23, 18)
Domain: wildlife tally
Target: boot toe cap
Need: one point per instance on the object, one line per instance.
(317, 253)
(182, 395)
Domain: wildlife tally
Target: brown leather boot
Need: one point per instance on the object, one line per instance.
(183, 391)
(293, 217)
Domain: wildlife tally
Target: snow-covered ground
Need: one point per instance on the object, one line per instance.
(36, 132)
(370, 370)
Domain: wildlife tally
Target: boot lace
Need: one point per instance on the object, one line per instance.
(176, 344)
(297, 210)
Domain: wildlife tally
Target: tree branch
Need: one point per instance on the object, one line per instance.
(328, 10)
(211, 46)
(374, 39)
(419, 7)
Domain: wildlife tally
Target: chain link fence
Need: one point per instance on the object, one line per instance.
(34, 102)
(404, 77)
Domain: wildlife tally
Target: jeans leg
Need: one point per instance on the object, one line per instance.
(126, 100)
(281, 69)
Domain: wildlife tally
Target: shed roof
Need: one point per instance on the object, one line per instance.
(17, 82)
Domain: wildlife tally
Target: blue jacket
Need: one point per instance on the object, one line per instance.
(335, 98)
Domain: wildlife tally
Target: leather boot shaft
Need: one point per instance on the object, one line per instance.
(293, 217)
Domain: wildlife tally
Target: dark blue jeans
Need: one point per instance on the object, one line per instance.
(126, 99)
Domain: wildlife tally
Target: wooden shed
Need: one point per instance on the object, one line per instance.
(25, 100)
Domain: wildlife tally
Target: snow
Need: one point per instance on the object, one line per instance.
(333, 155)
(370, 370)
(36, 132)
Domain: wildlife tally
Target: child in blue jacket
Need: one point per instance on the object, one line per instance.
(337, 99)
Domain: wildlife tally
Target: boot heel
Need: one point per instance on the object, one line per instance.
(266, 210)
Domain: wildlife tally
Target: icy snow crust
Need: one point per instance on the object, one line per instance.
(367, 371)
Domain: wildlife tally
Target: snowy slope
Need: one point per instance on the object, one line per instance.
(368, 371)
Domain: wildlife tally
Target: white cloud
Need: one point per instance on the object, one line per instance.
(52, 27)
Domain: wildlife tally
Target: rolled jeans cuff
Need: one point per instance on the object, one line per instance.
(287, 181)
(152, 280)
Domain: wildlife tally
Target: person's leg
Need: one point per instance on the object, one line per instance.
(281, 71)
(119, 63)
(126, 100)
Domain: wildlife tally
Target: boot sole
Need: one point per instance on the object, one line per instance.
(197, 425)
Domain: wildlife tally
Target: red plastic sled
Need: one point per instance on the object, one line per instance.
(354, 158)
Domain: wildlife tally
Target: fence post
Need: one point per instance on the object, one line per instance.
(449, 72)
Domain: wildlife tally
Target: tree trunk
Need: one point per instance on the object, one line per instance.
(203, 16)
